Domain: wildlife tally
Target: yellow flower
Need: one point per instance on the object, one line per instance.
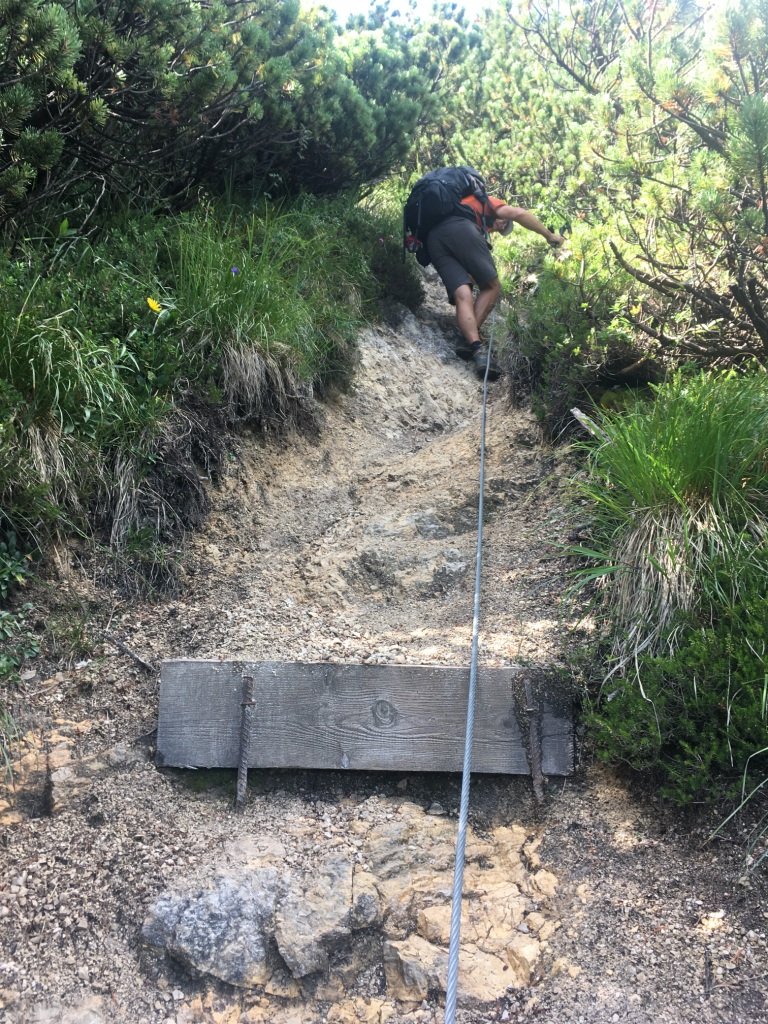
(154, 305)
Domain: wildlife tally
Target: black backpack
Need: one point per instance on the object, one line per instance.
(434, 197)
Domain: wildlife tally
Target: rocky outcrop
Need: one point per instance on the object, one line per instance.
(261, 921)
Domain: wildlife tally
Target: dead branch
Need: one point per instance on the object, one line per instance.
(146, 665)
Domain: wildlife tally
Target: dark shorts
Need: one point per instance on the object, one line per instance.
(460, 254)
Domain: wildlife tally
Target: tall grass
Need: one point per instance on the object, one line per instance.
(72, 375)
(677, 490)
(104, 346)
(275, 300)
(678, 494)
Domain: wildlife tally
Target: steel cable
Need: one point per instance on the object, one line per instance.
(461, 839)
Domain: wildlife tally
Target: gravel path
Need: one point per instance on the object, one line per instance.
(356, 545)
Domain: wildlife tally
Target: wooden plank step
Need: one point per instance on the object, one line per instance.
(369, 717)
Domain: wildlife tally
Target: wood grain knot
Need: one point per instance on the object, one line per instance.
(385, 714)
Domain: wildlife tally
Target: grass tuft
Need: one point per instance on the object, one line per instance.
(678, 492)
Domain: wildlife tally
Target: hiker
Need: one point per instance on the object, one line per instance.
(459, 249)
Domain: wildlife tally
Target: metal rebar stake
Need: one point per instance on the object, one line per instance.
(533, 710)
(246, 716)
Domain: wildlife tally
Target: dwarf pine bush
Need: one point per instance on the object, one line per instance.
(568, 337)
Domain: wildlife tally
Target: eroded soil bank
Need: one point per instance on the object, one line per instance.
(356, 545)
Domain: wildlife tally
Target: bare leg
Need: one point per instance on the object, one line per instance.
(486, 300)
(470, 314)
(466, 316)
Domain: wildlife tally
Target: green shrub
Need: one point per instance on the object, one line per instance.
(14, 564)
(696, 718)
(568, 339)
(18, 642)
(396, 279)
(677, 492)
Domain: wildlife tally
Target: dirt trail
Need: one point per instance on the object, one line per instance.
(355, 545)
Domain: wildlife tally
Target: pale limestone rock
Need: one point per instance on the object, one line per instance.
(484, 977)
(523, 954)
(434, 924)
(535, 921)
(361, 1011)
(412, 859)
(518, 874)
(249, 852)
(191, 1012)
(479, 850)
(545, 882)
(488, 921)
(91, 1011)
(60, 755)
(496, 908)
(413, 967)
(548, 929)
(509, 841)
(531, 853)
(221, 1015)
(310, 921)
(273, 1015)
(401, 884)
(563, 966)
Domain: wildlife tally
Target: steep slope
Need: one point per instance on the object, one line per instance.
(355, 545)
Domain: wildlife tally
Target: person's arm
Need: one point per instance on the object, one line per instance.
(528, 220)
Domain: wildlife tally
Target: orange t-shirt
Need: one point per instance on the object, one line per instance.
(481, 209)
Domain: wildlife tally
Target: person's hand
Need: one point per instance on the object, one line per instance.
(555, 240)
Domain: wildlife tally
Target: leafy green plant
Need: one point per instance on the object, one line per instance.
(757, 839)
(144, 564)
(568, 340)
(236, 98)
(18, 642)
(14, 564)
(76, 379)
(18, 645)
(697, 718)
(123, 361)
(8, 733)
(259, 316)
(68, 635)
(381, 230)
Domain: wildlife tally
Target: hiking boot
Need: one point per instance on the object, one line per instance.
(465, 350)
(480, 359)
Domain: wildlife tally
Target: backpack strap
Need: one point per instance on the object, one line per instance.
(488, 216)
